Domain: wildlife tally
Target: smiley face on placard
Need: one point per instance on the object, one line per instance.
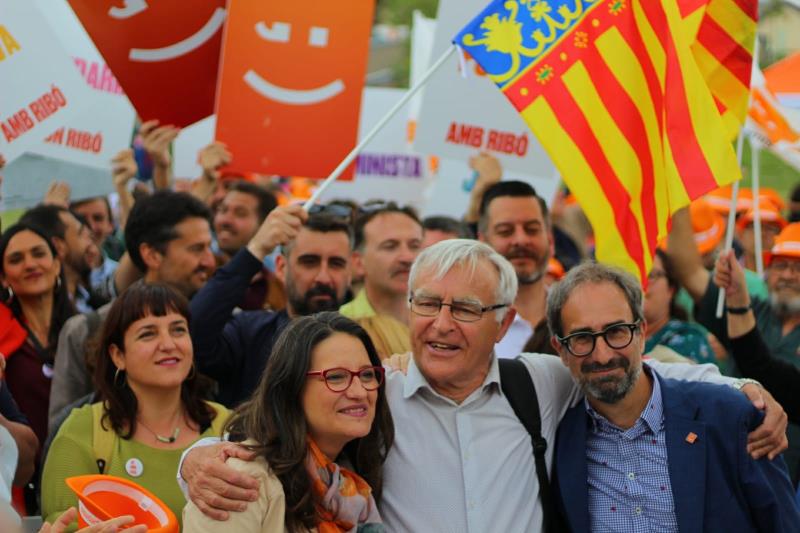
(164, 53)
(291, 82)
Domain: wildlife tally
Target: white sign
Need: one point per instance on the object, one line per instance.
(464, 115)
(449, 191)
(26, 179)
(189, 142)
(423, 31)
(40, 85)
(93, 137)
(385, 169)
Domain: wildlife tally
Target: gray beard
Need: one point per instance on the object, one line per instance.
(608, 394)
(530, 279)
(783, 308)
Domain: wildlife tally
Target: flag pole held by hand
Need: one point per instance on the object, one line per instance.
(731, 218)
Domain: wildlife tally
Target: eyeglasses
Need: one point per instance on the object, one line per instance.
(656, 274)
(376, 205)
(782, 265)
(461, 311)
(335, 210)
(339, 379)
(582, 343)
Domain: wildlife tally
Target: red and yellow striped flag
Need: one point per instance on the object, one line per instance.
(611, 90)
(723, 36)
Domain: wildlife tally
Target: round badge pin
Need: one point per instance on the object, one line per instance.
(134, 467)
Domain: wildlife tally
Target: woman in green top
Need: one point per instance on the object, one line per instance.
(666, 320)
(151, 409)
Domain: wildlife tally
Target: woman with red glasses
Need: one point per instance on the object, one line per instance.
(320, 428)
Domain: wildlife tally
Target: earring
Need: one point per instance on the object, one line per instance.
(10, 293)
(116, 375)
(58, 283)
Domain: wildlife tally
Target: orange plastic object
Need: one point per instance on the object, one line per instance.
(104, 497)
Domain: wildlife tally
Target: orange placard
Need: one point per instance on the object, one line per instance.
(164, 53)
(290, 84)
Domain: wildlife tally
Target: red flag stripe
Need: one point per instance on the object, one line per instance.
(629, 120)
(749, 7)
(688, 7)
(720, 106)
(719, 44)
(688, 155)
(577, 127)
(634, 39)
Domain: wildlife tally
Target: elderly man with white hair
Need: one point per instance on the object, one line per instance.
(462, 460)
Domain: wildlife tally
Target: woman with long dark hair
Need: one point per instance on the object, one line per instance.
(36, 295)
(150, 409)
(320, 427)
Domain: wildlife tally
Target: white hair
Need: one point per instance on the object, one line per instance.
(443, 256)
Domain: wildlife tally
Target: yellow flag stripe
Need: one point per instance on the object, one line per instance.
(568, 157)
(739, 26)
(615, 146)
(654, 49)
(705, 118)
(627, 69)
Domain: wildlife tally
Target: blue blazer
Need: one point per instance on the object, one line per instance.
(716, 485)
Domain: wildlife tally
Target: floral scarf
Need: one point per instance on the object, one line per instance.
(342, 498)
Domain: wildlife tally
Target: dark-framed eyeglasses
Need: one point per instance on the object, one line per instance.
(461, 311)
(334, 210)
(656, 274)
(617, 337)
(339, 379)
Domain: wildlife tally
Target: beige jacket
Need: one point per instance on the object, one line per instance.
(265, 515)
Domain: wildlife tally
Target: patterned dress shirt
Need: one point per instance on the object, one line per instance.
(628, 474)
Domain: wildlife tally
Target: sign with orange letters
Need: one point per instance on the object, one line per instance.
(290, 84)
(165, 53)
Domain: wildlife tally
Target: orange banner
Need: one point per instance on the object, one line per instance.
(290, 85)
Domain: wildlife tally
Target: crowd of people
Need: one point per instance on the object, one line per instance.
(260, 366)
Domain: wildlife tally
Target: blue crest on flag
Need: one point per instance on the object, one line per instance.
(510, 35)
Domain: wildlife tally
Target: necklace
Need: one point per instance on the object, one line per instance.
(162, 438)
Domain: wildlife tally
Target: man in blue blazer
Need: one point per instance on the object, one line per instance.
(644, 453)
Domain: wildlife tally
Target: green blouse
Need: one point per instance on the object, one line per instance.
(686, 338)
(71, 454)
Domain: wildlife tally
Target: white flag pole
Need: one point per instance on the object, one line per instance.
(755, 165)
(374, 131)
(731, 216)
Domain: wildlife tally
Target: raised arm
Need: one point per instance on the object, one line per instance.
(211, 159)
(123, 170)
(156, 140)
(685, 257)
(215, 334)
(748, 349)
(489, 172)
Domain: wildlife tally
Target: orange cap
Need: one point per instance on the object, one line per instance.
(708, 226)
(768, 214)
(720, 199)
(773, 196)
(102, 498)
(555, 268)
(787, 243)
